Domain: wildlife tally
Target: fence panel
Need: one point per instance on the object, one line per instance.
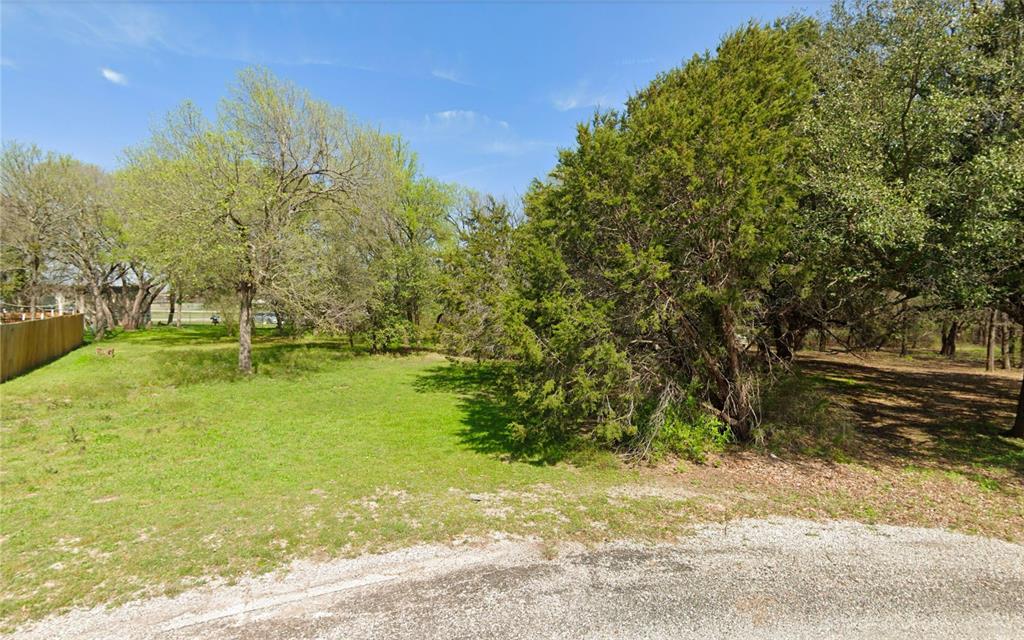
(26, 345)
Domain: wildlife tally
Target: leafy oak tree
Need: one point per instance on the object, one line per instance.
(65, 233)
(236, 197)
(475, 280)
(404, 225)
(31, 216)
(915, 177)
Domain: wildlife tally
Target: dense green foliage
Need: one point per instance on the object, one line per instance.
(860, 179)
(475, 281)
(916, 174)
(646, 255)
(403, 253)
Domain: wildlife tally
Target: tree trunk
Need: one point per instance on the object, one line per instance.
(170, 313)
(181, 311)
(246, 292)
(783, 341)
(822, 339)
(990, 341)
(799, 337)
(33, 297)
(1004, 334)
(103, 308)
(102, 316)
(141, 303)
(949, 340)
(1012, 339)
(736, 403)
(1018, 424)
(903, 329)
(132, 319)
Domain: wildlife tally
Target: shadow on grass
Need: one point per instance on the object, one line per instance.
(284, 360)
(488, 412)
(200, 335)
(951, 420)
(189, 335)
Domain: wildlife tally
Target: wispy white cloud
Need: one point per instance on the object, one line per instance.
(301, 61)
(7, 62)
(480, 132)
(110, 25)
(140, 27)
(581, 96)
(450, 75)
(464, 117)
(516, 146)
(114, 76)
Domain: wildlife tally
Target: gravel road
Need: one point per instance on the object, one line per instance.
(775, 578)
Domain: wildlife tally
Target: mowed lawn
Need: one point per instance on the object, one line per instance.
(160, 467)
(132, 474)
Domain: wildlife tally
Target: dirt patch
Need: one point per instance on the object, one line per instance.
(931, 451)
(945, 416)
(671, 491)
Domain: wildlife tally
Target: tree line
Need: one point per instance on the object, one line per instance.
(281, 198)
(855, 179)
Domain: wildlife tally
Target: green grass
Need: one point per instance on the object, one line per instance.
(158, 468)
(160, 465)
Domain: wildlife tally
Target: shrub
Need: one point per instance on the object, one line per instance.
(690, 432)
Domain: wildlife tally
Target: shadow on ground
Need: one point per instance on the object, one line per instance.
(488, 412)
(188, 335)
(947, 419)
(183, 367)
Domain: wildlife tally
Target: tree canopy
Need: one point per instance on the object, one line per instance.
(860, 178)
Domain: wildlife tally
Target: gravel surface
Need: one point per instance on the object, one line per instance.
(775, 578)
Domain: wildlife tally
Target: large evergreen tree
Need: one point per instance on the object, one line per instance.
(646, 252)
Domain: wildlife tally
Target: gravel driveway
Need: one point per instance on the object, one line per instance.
(753, 579)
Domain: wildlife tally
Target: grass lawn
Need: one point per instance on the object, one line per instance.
(141, 471)
(160, 467)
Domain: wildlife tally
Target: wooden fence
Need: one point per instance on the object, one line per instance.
(26, 345)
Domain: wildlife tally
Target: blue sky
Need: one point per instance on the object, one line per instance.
(485, 92)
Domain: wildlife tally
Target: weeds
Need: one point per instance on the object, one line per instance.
(690, 432)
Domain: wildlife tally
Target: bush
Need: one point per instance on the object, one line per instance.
(799, 416)
(690, 432)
